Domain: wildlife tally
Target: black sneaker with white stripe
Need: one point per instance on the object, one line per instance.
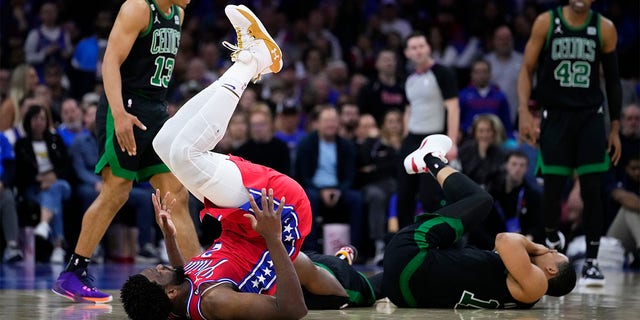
(591, 274)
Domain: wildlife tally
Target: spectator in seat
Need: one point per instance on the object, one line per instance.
(42, 170)
(327, 175)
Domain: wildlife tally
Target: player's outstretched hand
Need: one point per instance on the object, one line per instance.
(162, 207)
(123, 126)
(266, 221)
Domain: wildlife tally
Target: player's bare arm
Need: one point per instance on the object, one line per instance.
(163, 207)
(526, 282)
(288, 302)
(128, 25)
(612, 80)
(526, 126)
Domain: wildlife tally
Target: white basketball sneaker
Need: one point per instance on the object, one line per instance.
(436, 144)
(253, 38)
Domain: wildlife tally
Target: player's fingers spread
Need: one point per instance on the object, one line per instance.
(254, 205)
(154, 199)
(252, 219)
(265, 205)
(170, 205)
(272, 202)
(280, 207)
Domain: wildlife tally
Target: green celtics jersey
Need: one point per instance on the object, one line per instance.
(148, 67)
(569, 64)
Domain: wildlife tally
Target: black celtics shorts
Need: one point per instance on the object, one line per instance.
(146, 162)
(573, 139)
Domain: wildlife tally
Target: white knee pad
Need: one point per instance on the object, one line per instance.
(178, 143)
(162, 143)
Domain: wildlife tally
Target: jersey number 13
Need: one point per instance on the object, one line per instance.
(164, 69)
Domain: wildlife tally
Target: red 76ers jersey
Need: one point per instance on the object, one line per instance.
(240, 256)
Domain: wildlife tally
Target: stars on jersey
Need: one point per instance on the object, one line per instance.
(261, 278)
(290, 231)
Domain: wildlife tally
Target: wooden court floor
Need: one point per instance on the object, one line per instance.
(24, 294)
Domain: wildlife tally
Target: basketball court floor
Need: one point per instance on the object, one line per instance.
(25, 294)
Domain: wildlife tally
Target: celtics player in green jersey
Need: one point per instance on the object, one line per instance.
(568, 45)
(137, 68)
(426, 265)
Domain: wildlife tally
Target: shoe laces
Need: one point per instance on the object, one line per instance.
(235, 51)
(87, 279)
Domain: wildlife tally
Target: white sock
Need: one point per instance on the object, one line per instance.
(237, 77)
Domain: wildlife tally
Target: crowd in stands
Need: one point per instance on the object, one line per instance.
(345, 82)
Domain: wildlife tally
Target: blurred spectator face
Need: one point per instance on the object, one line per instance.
(389, 12)
(327, 124)
(89, 117)
(314, 62)
(289, 121)
(630, 124)
(357, 82)
(71, 114)
(196, 69)
(394, 41)
(633, 169)
(248, 99)
(349, 116)
(238, 128)
(491, 11)
(503, 41)
(32, 79)
(435, 37)
(386, 62)
(43, 94)
(260, 127)
(38, 124)
(337, 73)
(484, 133)
(480, 74)
(104, 23)
(316, 20)
(363, 42)
(210, 54)
(48, 14)
(287, 76)
(53, 76)
(392, 123)
(522, 26)
(367, 127)
(516, 167)
(322, 89)
(418, 50)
